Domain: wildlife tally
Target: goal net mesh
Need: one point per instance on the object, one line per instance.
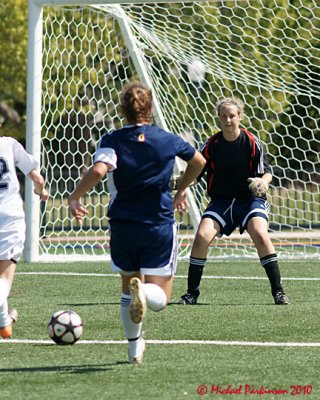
(193, 53)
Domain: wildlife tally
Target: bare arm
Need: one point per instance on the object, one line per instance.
(38, 183)
(194, 169)
(95, 174)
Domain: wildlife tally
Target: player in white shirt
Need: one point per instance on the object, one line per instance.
(12, 219)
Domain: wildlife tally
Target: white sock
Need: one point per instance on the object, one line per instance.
(132, 331)
(155, 296)
(4, 293)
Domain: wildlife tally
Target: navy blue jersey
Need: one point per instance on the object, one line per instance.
(230, 164)
(142, 160)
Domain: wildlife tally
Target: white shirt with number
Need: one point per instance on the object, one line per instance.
(12, 156)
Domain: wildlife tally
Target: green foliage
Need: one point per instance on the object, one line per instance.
(13, 50)
(277, 38)
(13, 60)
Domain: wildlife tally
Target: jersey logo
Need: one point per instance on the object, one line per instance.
(141, 137)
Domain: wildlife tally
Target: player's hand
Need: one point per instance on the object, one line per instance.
(77, 210)
(43, 195)
(258, 186)
(180, 202)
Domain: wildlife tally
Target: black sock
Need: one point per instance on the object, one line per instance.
(270, 264)
(194, 274)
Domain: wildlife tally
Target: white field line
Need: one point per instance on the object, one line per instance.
(176, 276)
(172, 342)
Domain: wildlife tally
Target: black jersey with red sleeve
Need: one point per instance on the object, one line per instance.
(230, 164)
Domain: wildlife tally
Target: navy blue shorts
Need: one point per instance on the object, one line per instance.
(150, 249)
(230, 214)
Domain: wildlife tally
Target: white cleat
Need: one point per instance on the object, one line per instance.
(137, 360)
(138, 305)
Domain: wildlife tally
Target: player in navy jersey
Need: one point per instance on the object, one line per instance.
(238, 178)
(139, 160)
(12, 219)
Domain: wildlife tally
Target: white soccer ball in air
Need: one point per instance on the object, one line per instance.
(65, 327)
(197, 70)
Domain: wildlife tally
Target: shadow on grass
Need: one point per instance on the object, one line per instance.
(175, 303)
(67, 369)
(88, 304)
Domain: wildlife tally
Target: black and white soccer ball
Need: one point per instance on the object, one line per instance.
(65, 327)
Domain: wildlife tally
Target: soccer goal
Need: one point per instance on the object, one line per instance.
(192, 53)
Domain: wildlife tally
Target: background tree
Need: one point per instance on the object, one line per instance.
(13, 66)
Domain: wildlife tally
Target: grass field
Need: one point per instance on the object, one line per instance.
(234, 340)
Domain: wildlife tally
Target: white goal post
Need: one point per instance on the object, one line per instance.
(81, 53)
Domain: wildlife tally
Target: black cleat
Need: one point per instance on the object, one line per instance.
(281, 298)
(189, 298)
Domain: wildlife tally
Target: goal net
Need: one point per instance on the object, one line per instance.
(191, 53)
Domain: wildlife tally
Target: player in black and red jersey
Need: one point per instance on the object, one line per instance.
(238, 178)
